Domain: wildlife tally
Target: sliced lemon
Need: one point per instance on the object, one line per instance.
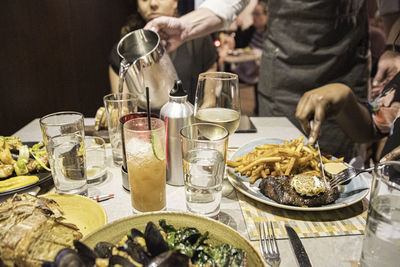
(157, 146)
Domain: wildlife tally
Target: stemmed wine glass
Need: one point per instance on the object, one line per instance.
(218, 101)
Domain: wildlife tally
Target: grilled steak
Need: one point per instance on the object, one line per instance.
(280, 190)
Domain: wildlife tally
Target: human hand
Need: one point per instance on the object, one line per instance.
(388, 67)
(318, 104)
(392, 155)
(171, 30)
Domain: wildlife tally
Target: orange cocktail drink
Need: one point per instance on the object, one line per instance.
(145, 157)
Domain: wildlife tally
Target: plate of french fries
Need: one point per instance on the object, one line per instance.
(275, 157)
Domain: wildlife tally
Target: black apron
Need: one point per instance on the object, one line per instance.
(309, 44)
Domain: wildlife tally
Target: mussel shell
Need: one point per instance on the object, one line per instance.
(116, 259)
(103, 249)
(68, 257)
(85, 253)
(154, 240)
(136, 233)
(170, 258)
(136, 251)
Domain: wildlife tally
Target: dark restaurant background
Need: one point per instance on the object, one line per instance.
(54, 56)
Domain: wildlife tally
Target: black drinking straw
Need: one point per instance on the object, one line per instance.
(148, 108)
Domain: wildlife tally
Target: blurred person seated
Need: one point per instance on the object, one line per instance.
(190, 59)
(251, 38)
(377, 35)
(361, 122)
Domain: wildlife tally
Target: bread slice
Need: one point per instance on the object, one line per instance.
(32, 230)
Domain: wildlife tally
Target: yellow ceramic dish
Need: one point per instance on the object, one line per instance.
(86, 214)
(219, 232)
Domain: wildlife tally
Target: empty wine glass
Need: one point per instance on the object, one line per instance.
(218, 101)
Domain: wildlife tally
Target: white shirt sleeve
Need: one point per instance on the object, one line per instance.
(227, 10)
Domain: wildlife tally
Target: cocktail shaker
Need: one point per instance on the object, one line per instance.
(176, 113)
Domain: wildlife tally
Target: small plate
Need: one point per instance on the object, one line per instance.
(218, 232)
(43, 175)
(350, 193)
(86, 214)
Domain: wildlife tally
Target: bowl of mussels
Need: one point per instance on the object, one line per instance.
(161, 239)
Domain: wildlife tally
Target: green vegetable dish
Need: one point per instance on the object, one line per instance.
(30, 160)
(157, 246)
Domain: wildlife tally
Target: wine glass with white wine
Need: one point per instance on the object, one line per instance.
(218, 101)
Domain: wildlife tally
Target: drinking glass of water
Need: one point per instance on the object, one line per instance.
(63, 135)
(381, 244)
(118, 105)
(204, 147)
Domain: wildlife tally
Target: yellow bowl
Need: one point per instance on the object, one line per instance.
(85, 213)
(219, 232)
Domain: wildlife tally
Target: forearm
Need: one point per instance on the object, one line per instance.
(356, 121)
(201, 22)
(212, 16)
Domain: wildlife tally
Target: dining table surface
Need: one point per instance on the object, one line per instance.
(342, 250)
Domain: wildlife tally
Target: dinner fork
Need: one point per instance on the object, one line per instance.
(268, 246)
(346, 175)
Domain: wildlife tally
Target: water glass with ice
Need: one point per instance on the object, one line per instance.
(381, 244)
(204, 147)
(118, 105)
(63, 135)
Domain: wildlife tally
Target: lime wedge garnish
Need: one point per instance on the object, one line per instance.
(157, 146)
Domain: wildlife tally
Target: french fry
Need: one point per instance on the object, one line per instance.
(258, 161)
(233, 163)
(291, 158)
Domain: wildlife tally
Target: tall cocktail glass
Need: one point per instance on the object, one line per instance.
(63, 134)
(118, 105)
(204, 147)
(145, 157)
(381, 244)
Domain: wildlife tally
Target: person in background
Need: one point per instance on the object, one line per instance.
(252, 38)
(389, 62)
(194, 57)
(376, 121)
(307, 44)
(376, 35)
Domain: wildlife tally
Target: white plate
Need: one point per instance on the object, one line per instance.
(351, 193)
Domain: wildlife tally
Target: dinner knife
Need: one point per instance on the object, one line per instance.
(299, 251)
(321, 165)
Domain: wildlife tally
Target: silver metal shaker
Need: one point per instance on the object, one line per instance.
(176, 113)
